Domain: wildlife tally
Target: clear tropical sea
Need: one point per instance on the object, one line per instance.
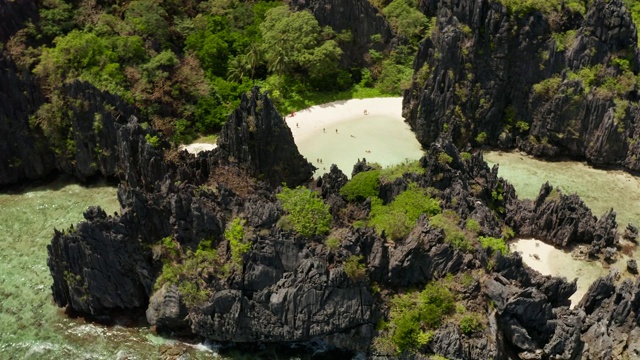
(31, 326)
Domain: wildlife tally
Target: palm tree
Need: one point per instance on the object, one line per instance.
(253, 58)
(237, 68)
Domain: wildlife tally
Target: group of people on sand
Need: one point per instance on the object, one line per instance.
(319, 160)
(323, 129)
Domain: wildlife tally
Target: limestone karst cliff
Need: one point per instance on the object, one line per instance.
(555, 82)
(167, 254)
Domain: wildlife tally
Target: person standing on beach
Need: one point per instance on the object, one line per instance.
(336, 131)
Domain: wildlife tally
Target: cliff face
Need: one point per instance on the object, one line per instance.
(90, 142)
(359, 17)
(560, 83)
(256, 137)
(84, 142)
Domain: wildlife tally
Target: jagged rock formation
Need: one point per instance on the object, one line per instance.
(561, 220)
(256, 137)
(22, 155)
(359, 17)
(551, 84)
(157, 202)
(14, 14)
(289, 289)
(26, 152)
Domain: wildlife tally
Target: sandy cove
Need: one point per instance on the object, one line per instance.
(305, 123)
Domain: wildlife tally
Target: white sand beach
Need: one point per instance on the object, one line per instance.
(341, 133)
(306, 123)
(195, 148)
(548, 260)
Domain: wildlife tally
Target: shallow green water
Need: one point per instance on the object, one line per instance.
(31, 326)
(601, 190)
(380, 139)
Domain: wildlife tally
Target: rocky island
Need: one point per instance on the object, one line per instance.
(240, 245)
(171, 253)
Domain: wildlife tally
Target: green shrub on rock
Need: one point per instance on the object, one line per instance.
(471, 323)
(362, 186)
(235, 234)
(494, 244)
(399, 217)
(415, 315)
(454, 235)
(307, 214)
(354, 268)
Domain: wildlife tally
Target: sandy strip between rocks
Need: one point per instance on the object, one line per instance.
(548, 260)
(198, 147)
(305, 123)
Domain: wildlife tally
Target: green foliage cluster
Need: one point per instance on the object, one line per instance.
(235, 235)
(444, 159)
(307, 213)
(608, 82)
(547, 7)
(564, 40)
(548, 88)
(454, 235)
(471, 323)
(494, 244)
(187, 270)
(184, 65)
(354, 268)
(415, 315)
(405, 18)
(363, 185)
(398, 217)
(391, 173)
(152, 140)
(473, 226)
(481, 138)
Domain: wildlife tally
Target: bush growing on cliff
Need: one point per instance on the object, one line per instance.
(391, 173)
(454, 235)
(362, 186)
(524, 7)
(307, 214)
(354, 268)
(399, 217)
(415, 315)
(495, 244)
(547, 88)
(471, 323)
(235, 234)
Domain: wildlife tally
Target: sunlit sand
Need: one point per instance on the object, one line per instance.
(548, 260)
(341, 133)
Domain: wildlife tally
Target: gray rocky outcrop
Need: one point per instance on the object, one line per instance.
(256, 137)
(167, 311)
(563, 220)
(490, 75)
(288, 289)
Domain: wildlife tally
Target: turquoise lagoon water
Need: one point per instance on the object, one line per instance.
(380, 139)
(31, 325)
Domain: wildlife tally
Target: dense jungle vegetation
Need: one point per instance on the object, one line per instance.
(183, 64)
